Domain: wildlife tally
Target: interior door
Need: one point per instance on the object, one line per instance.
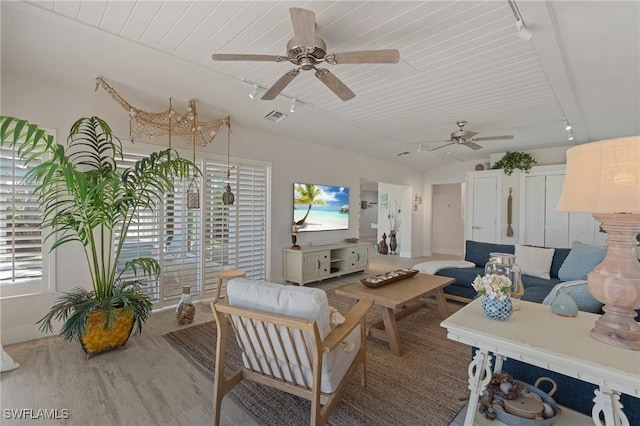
(484, 207)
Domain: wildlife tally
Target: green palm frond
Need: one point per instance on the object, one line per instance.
(86, 199)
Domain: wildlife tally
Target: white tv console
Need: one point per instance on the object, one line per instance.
(316, 263)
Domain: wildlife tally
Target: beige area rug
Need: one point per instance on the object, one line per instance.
(427, 385)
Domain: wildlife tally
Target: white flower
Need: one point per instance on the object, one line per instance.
(492, 285)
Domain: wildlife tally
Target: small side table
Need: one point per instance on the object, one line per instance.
(226, 275)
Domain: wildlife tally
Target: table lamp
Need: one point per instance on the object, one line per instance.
(603, 178)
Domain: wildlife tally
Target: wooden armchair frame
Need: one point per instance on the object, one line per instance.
(285, 328)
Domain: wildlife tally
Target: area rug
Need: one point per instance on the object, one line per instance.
(426, 385)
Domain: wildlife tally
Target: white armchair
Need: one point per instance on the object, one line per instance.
(287, 342)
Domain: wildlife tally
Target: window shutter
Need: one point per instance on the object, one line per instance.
(20, 219)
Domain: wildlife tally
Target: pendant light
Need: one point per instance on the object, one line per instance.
(227, 196)
(193, 192)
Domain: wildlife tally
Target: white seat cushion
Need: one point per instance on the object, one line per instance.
(299, 302)
(433, 266)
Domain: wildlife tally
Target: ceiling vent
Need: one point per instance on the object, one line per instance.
(275, 116)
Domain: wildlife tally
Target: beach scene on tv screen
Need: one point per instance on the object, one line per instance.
(320, 207)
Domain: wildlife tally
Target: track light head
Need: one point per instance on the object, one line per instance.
(292, 108)
(254, 93)
(523, 32)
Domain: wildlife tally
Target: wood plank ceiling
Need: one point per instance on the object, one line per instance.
(459, 60)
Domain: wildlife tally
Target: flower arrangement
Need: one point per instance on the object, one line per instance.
(493, 286)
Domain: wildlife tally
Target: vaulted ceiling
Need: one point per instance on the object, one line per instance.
(460, 60)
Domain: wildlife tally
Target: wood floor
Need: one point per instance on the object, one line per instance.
(148, 383)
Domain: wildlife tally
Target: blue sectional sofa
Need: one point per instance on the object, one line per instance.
(535, 289)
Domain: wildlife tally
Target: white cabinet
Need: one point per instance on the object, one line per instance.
(315, 263)
(357, 258)
(484, 206)
(540, 223)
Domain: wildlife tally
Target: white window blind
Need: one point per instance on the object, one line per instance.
(192, 245)
(24, 258)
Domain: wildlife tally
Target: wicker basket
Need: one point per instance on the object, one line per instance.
(513, 420)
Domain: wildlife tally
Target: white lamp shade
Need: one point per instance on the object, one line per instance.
(603, 177)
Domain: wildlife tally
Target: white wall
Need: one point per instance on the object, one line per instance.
(398, 197)
(293, 160)
(369, 215)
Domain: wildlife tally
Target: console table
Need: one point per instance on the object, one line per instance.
(536, 336)
(316, 263)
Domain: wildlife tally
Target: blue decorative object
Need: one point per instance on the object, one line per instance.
(496, 308)
(579, 292)
(563, 304)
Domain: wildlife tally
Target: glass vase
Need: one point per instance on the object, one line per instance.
(496, 308)
(186, 311)
(505, 264)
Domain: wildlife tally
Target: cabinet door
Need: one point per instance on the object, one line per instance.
(358, 258)
(484, 212)
(534, 208)
(316, 265)
(556, 230)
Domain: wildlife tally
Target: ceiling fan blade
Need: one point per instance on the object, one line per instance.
(279, 85)
(441, 146)
(471, 145)
(387, 56)
(333, 83)
(304, 26)
(243, 57)
(494, 138)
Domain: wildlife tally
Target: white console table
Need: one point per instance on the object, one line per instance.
(315, 263)
(536, 336)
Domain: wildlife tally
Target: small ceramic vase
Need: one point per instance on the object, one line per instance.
(497, 309)
(563, 304)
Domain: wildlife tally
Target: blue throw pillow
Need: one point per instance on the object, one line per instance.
(581, 260)
(579, 291)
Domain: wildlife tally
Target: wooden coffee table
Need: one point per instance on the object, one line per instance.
(399, 300)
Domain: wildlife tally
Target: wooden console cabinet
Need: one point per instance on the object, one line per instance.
(316, 263)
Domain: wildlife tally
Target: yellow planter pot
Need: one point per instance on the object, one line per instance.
(97, 339)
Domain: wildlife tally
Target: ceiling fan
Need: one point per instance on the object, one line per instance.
(468, 138)
(307, 51)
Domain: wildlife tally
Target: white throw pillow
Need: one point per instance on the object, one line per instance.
(534, 261)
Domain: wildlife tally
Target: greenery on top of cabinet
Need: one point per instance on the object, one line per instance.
(515, 160)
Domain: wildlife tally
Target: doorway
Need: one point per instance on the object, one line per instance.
(447, 225)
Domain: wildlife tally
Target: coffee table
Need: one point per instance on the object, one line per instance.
(399, 300)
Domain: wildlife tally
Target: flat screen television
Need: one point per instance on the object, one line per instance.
(320, 207)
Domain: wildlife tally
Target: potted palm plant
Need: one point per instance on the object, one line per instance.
(86, 199)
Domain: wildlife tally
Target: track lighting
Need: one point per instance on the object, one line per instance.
(523, 32)
(254, 93)
(568, 128)
(292, 108)
(521, 27)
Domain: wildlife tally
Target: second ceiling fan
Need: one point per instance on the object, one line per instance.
(468, 138)
(307, 51)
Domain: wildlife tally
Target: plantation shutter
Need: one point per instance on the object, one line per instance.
(248, 221)
(192, 245)
(181, 256)
(20, 219)
(143, 238)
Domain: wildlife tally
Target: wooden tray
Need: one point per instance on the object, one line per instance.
(388, 277)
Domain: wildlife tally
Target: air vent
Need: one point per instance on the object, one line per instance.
(275, 116)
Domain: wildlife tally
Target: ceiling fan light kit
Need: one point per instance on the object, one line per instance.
(307, 52)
